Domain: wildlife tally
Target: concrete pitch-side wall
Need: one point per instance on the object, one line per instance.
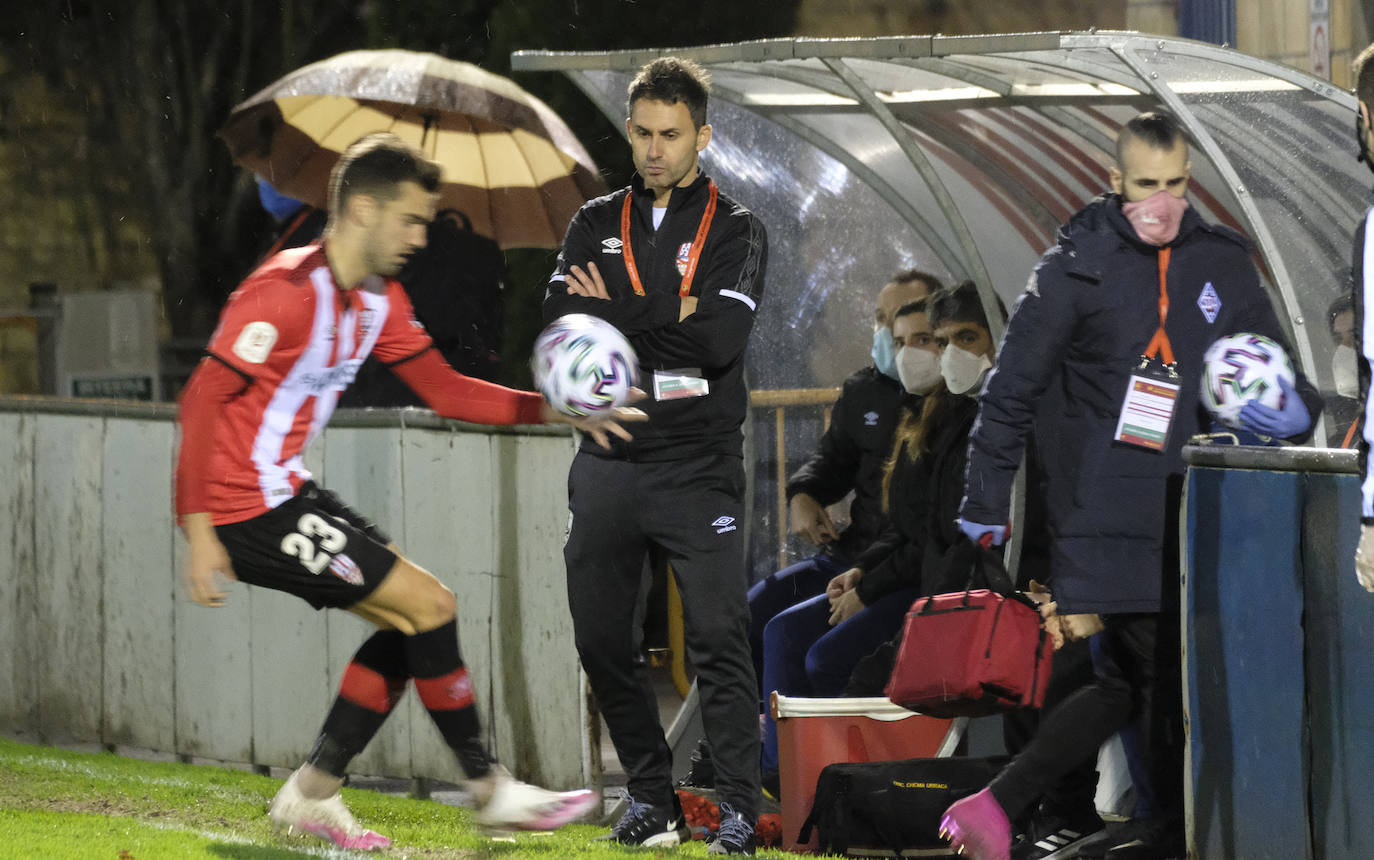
(102, 644)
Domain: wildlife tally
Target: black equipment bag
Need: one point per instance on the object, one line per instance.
(892, 805)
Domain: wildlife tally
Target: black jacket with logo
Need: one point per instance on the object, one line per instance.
(710, 343)
(851, 455)
(1073, 340)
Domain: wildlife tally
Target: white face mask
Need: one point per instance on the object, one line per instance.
(1345, 371)
(918, 369)
(962, 369)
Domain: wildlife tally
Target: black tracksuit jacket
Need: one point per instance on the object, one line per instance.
(851, 455)
(710, 343)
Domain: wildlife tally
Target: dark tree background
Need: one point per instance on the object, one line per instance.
(153, 80)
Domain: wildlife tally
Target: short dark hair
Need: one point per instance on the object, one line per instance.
(672, 80)
(961, 303)
(920, 306)
(911, 276)
(1362, 71)
(1156, 129)
(376, 165)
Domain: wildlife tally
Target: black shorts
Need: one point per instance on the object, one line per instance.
(313, 546)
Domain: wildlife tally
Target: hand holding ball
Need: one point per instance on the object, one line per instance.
(584, 366)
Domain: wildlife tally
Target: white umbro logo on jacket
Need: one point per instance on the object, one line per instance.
(724, 524)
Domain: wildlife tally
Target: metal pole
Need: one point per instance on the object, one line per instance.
(933, 181)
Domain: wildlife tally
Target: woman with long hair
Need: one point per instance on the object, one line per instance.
(944, 349)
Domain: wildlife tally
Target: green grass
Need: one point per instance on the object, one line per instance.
(57, 804)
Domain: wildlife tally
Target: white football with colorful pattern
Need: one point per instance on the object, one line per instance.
(583, 365)
(1241, 368)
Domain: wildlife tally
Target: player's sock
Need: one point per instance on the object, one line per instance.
(373, 683)
(446, 692)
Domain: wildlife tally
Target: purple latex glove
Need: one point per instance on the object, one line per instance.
(984, 536)
(1290, 419)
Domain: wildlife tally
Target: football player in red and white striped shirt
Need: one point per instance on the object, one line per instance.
(289, 341)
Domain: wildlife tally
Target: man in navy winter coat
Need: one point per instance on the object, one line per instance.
(1136, 278)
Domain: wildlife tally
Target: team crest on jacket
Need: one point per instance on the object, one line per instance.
(684, 252)
(1209, 302)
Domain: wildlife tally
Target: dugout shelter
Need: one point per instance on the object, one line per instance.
(962, 155)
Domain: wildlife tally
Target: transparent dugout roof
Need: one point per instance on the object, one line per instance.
(962, 155)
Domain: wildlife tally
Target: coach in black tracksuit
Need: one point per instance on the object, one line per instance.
(681, 268)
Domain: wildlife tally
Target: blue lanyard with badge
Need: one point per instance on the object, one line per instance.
(1147, 413)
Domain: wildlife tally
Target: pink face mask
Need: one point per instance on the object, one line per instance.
(1157, 217)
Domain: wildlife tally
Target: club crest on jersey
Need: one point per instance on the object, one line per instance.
(684, 253)
(366, 317)
(1209, 302)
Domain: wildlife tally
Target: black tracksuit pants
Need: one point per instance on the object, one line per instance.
(691, 512)
(1138, 678)
(1072, 669)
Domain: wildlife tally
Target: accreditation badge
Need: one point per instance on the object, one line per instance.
(680, 383)
(1147, 412)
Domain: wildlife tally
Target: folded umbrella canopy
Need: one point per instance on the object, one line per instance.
(510, 164)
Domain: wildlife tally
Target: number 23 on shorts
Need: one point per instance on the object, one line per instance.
(300, 544)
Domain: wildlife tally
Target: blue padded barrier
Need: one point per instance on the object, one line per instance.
(1279, 657)
(1242, 623)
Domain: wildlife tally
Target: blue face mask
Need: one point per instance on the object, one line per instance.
(277, 204)
(884, 358)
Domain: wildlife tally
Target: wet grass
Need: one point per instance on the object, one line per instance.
(61, 804)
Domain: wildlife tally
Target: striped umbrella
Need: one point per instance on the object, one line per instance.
(510, 164)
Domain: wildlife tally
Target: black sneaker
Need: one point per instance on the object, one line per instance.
(1052, 836)
(1097, 847)
(649, 825)
(702, 773)
(1150, 847)
(735, 836)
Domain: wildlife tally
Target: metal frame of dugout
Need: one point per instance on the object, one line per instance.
(961, 155)
(1279, 671)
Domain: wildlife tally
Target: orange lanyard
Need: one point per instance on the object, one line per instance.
(1159, 344)
(695, 254)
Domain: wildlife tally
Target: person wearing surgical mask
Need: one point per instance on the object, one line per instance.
(966, 352)
(846, 463)
(905, 287)
(812, 647)
(1344, 372)
(1342, 404)
(917, 357)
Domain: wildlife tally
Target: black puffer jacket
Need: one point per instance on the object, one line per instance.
(923, 502)
(851, 455)
(1075, 337)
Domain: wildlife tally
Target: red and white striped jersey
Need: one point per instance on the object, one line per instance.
(299, 341)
